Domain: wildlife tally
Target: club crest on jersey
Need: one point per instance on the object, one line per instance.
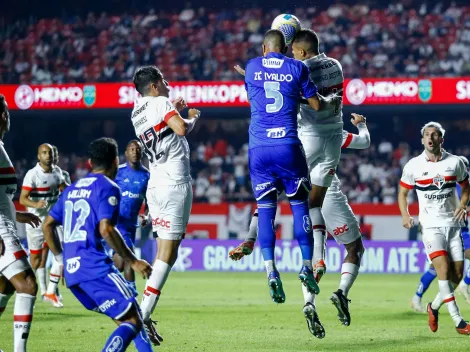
(424, 90)
(438, 181)
(89, 95)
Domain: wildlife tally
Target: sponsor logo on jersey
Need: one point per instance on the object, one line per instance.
(130, 195)
(424, 90)
(331, 172)
(438, 196)
(263, 186)
(73, 264)
(106, 305)
(89, 95)
(340, 230)
(425, 173)
(438, 181)
(138, 111)
(278, 132)
(273, 63)
(161, 223)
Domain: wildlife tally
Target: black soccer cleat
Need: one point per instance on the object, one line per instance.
(313, 322)
(341, 303)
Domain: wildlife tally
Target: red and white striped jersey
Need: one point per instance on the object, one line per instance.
(167, 152)
(43, 186)
(435, 184)
(8, 185)
(327, 74)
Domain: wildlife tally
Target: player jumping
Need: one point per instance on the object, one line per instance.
(88, 210)
(434, 174)
(337, 214)
(40, 191)
(16, 273)
(162, 131)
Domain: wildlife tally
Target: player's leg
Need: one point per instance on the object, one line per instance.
(35, 245)
(6, 292)
(246, 247)
(424, 282)
(128, 272)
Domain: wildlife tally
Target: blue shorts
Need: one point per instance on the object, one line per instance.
(109, 295)
(278, 168)
(466, 240)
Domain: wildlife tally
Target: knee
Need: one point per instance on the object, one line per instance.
(355, 250)
(28, 285)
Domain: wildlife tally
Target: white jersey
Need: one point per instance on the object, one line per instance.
(167, 152)
(435, 184)
(8, 185)
(42, 186)
(327, 74)
(352, 141)
(64, 175)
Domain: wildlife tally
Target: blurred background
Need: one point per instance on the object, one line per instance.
(66, 70)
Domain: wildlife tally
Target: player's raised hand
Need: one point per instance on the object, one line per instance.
(28, 218)
(192, 113)
(460, 214)
(142, 267)
(357, 119)
(239, 69)
(408, 222)
(180, 104)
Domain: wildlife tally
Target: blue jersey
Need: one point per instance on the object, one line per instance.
(274, 85)
(133, 185)
(80, 209)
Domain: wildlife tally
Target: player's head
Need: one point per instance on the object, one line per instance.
(274, 42)
(55, 155)
(4, 115)
(134, 152)
(103, 156)
(45, 155)
(148, 80)
(432, 135)
(305, 44)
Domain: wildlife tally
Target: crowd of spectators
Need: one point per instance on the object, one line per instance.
(409, 38)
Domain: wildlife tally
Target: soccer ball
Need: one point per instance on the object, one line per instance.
(289, 25)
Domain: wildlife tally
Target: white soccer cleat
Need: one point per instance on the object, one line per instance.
(462, 288)
(416, 304)
(53, 299)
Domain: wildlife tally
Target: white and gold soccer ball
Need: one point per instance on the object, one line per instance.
(287, 24)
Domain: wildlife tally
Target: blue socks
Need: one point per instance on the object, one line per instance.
(121, 338)
(426, 281)
(303, 229)
(142, 342)
(266, 216)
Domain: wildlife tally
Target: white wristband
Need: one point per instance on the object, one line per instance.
(60, 258)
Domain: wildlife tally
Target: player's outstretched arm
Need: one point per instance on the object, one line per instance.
(116, 242)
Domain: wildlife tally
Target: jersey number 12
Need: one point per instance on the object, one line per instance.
(75, 234)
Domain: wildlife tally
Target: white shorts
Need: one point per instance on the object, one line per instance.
(35, 239)
(15, 259)
(440, 241)
(340, 220)
(169, 207)
(322, 154)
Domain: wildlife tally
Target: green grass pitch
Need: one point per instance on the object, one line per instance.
(223, 312)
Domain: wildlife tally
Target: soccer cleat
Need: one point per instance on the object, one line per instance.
(154, 336)
(319, 269)
(275, 287)
(463, 290)
(313, 322)
(246, 248)
(342, 305)
(463, 328)
(53, 299)
(308, 280)
(416, 304)
(433, 317)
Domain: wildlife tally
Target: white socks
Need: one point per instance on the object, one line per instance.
(319, 234)
(447, 294)
(41, 276)
(308, 297)
(437, 302)
(54, 277)
(253, 230)
(153, 287)
(270, 266)
(3, 302)
(349, 273)
(22, 316)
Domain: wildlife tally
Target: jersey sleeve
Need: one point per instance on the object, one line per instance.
(108, 207)
(407, 179)
(166, 109)
(28, 181)
(57, 211)
(357, 141)
(309, 89)
(462, 173)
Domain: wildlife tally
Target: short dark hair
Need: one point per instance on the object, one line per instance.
(144, 76)
(275, 38)
(102, 153)
(310, 40)
(2, 104)
(132, 141)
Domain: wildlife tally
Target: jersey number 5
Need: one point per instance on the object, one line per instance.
(271, 89)
(75, 234)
